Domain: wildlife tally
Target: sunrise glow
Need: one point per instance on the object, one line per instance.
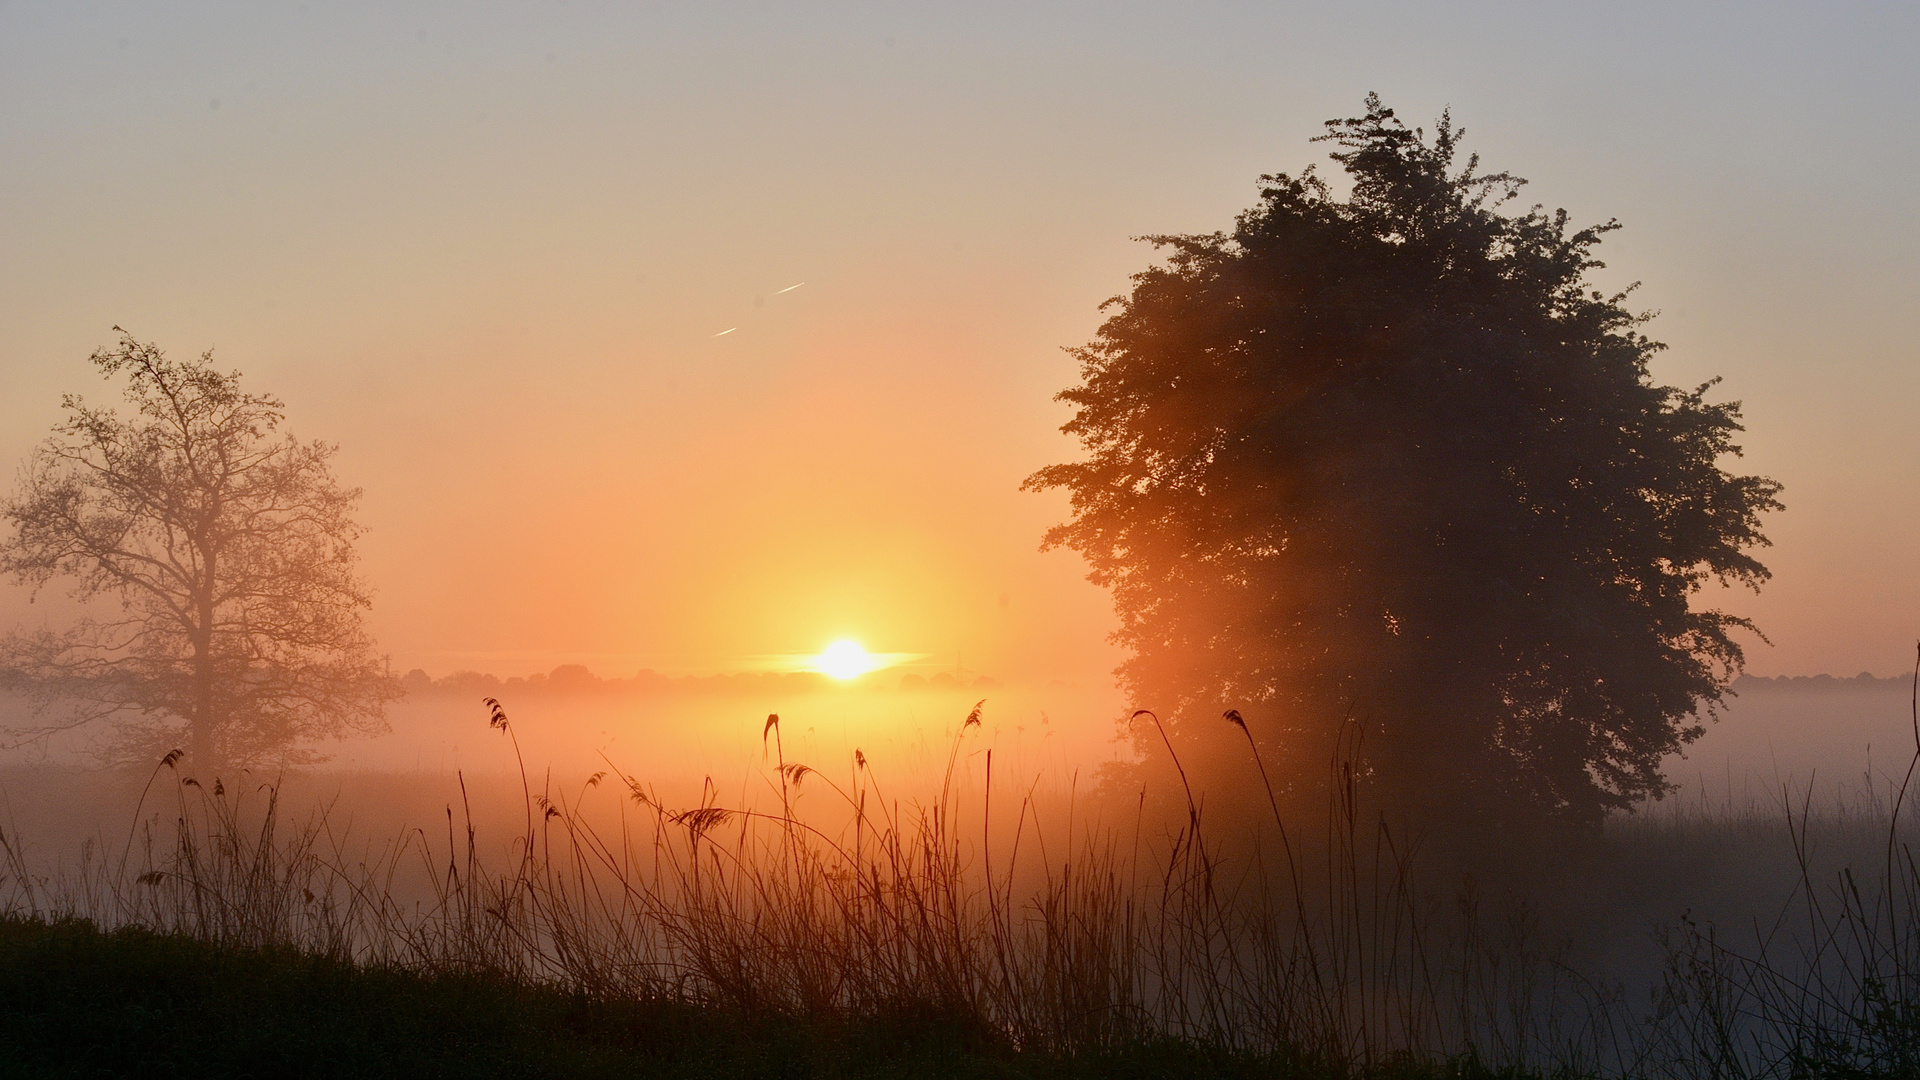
(845, 659)
(1290, 555)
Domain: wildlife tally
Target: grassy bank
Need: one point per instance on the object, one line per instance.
(76, 1001)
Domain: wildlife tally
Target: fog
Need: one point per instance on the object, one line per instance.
(1834, 747)
(665, 346)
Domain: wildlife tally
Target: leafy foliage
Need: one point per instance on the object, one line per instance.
(229, 551)
(1391, 459)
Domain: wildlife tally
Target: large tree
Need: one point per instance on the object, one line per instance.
(1391, 464)
(215, 557)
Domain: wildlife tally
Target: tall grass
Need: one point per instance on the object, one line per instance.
(1056, 935)
(1830, 989)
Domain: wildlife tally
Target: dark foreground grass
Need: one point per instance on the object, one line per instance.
(77, 1002)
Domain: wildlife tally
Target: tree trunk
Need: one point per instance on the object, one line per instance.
(201, 724)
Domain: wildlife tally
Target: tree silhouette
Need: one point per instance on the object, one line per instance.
(220, 557)
(1390, 463)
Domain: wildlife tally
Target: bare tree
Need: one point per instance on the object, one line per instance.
(216, 554)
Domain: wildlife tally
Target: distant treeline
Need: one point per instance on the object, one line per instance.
(1863, 681)
(576, 679)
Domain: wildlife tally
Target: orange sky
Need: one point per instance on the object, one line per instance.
(487, 249)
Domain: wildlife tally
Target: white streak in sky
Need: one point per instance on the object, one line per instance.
(727, 331)
(789, 288)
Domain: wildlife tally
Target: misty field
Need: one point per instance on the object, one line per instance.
(777, 540)
(961, 915)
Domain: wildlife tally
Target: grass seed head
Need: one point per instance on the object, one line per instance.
(496, 716)
(699, 821)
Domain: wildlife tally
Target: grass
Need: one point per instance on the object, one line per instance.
(969, 934)
(77, 1001)
(80, 1002)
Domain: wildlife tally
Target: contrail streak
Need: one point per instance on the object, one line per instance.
(727, 331)
(789, 288)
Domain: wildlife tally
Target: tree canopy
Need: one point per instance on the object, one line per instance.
(1391, 462)
(218, 554)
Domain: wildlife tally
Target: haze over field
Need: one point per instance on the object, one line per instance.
(601, 557)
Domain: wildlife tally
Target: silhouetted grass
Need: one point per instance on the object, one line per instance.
(867, 938)
(76, 1001)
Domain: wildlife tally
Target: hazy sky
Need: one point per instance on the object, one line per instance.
(486, 249)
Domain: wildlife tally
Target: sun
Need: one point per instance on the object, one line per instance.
(845, 659)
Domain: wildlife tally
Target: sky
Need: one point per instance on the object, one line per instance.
(532, 267)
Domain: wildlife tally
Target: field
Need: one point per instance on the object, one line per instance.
(976, 912)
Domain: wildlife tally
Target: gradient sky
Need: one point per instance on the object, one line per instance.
(486, 249)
